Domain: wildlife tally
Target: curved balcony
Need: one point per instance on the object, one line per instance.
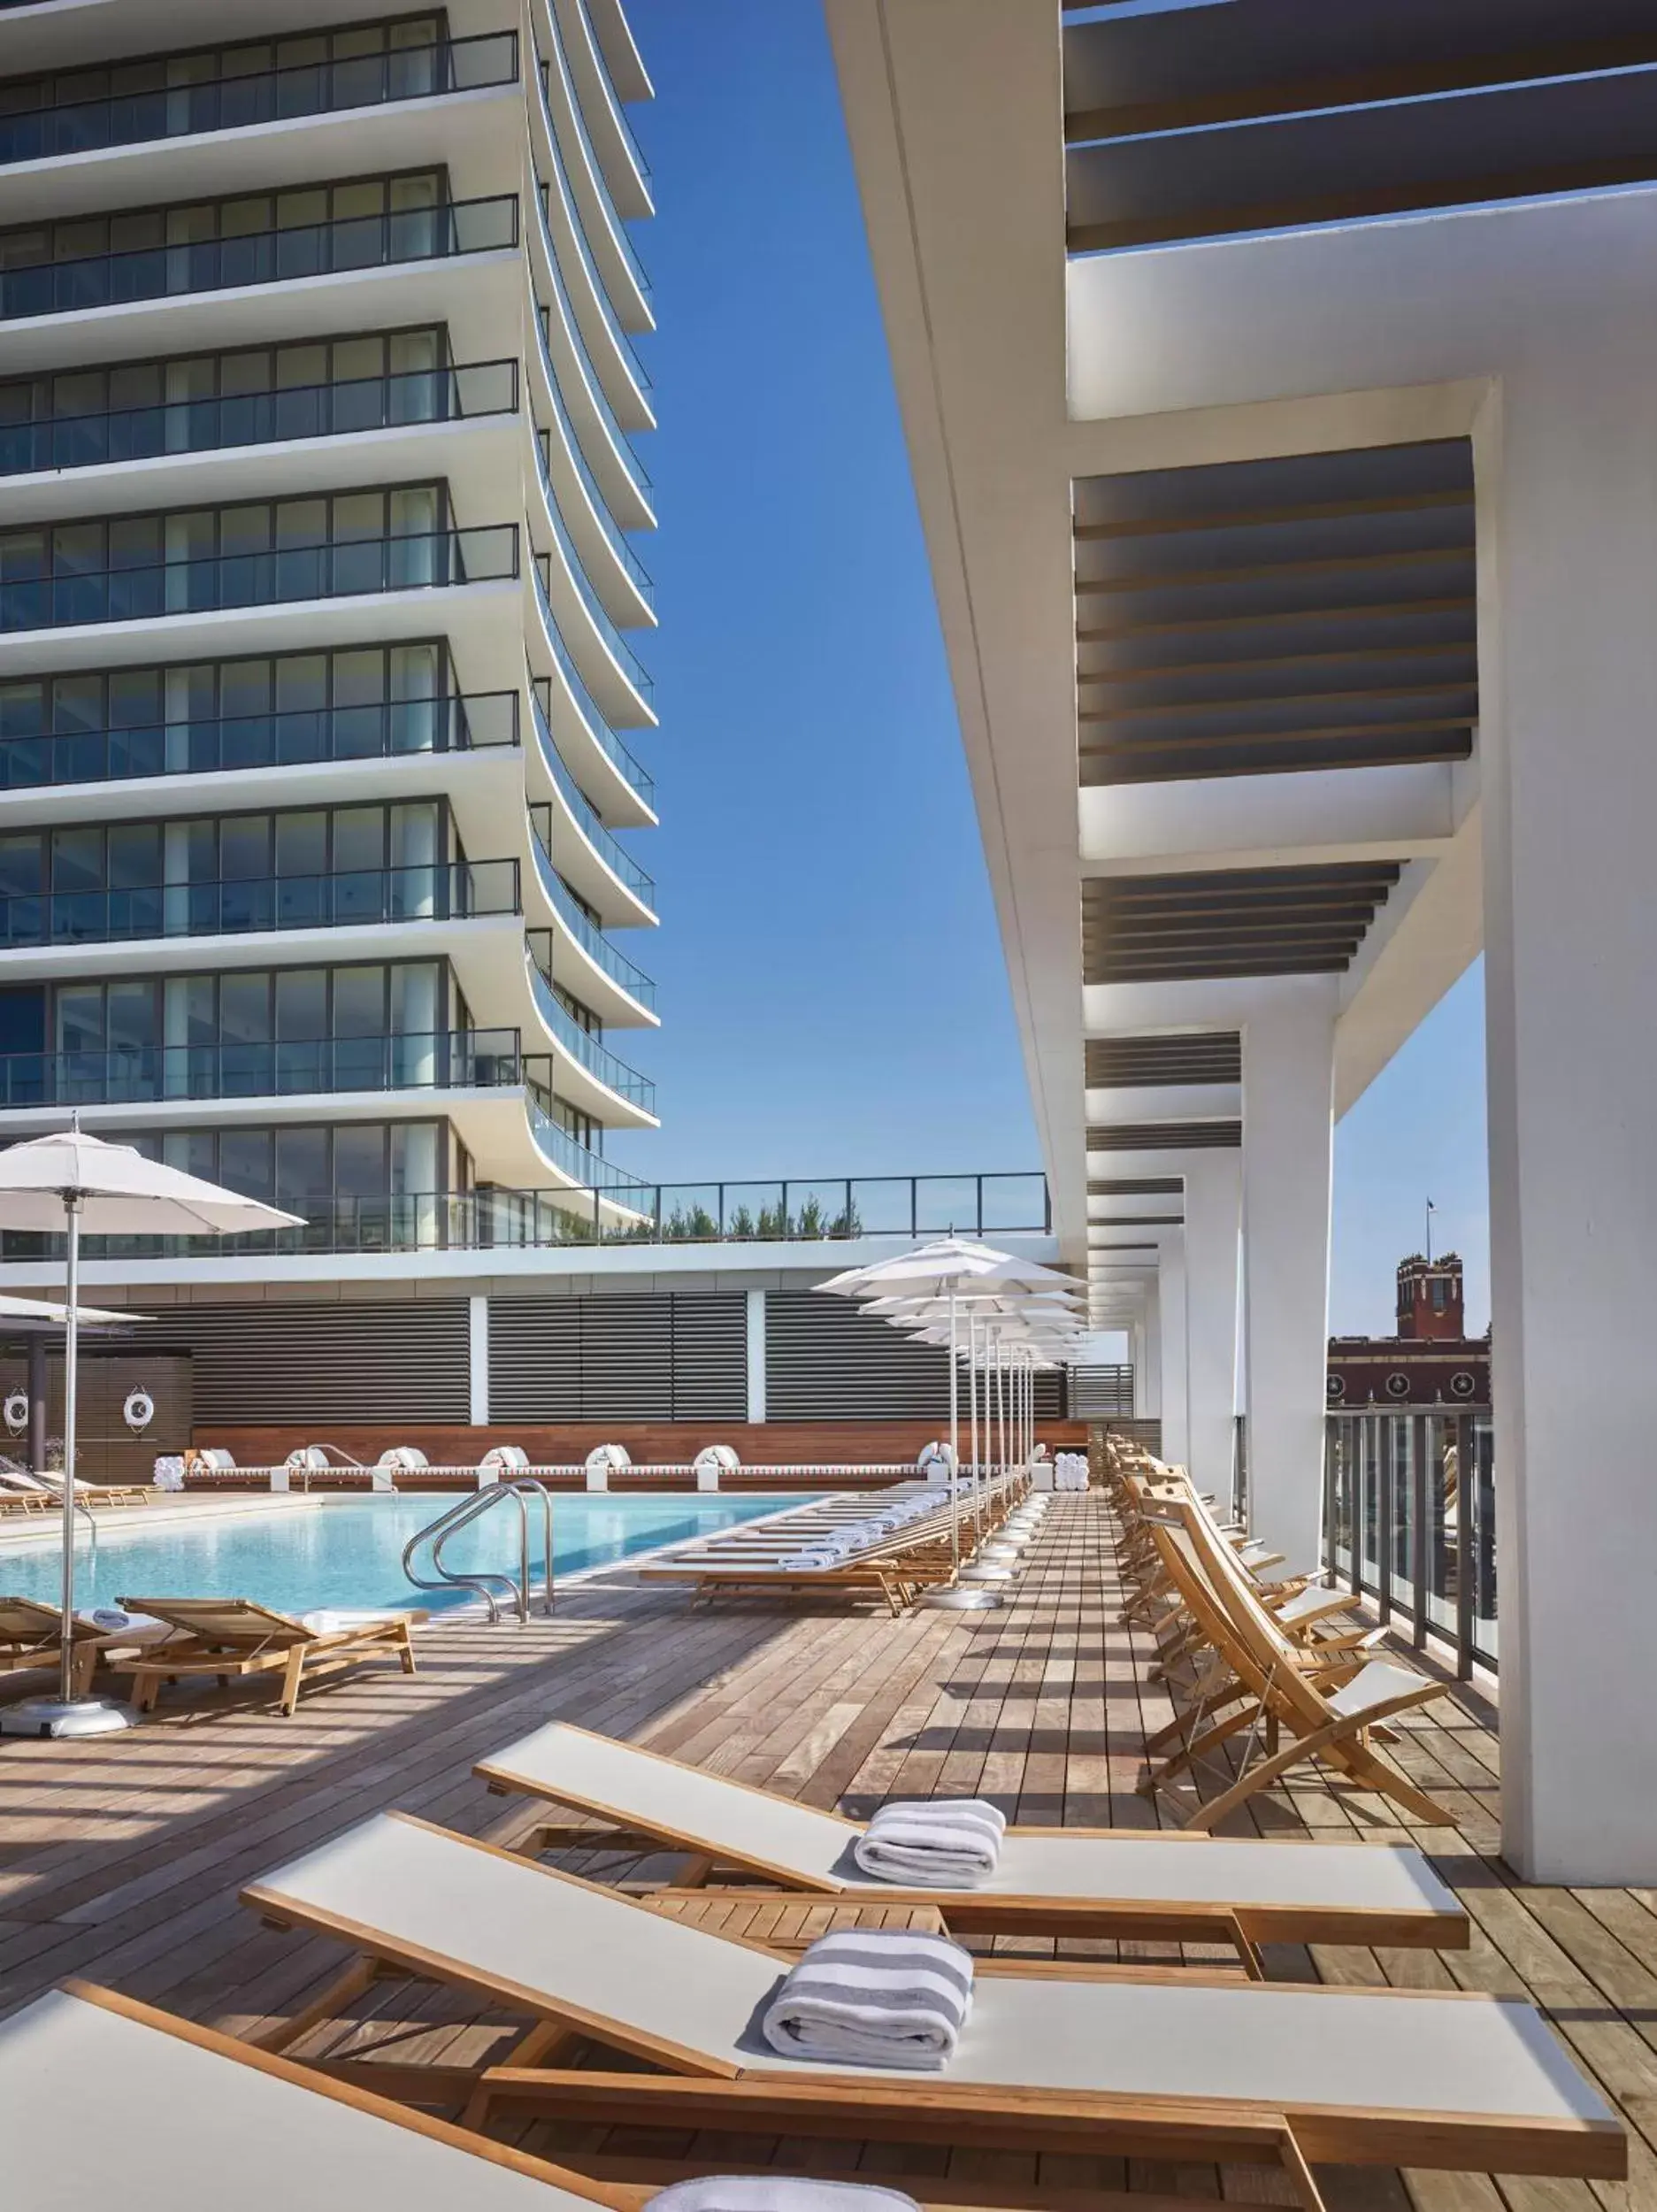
(620, 270)
(141, 1074)
(619, 49)
(576, 952)
(563, 357)
(620, 686)
(568, 722)
(343, 409)
(612, 567)
(628, 598)
(609, 346)
(589, 1076)
(351, 244)
(581, 1168)
(626, 170)
(361, 898)
(324, 87)
(281, 739)
(590, 859)
(222, 582)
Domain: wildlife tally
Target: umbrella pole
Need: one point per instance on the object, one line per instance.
(71, 1345)
(954, 1444)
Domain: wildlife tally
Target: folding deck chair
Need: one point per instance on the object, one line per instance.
(224, 1637)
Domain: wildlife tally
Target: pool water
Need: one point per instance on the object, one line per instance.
(349, 1552)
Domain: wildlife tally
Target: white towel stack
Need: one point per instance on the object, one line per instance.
(873, 1997)
(1069, 1470)
(776, 2192)
(941, 1842)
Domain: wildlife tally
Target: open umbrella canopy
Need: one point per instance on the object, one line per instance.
(40, 1313)
(119, 1192)
(948, 1264)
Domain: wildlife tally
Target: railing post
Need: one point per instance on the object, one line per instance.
(1383, 1521)
(1331, 1468)
(1354, 1503)
(1418, 1530)
(1466, 1484)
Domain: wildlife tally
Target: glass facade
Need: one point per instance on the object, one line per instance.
(359, 752)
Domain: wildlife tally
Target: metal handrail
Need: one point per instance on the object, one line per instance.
(460, 1515)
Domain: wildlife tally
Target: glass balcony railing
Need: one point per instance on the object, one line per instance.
(270, 96)
(603, 1065)
(608, 847)
(631, 770)
(596, 169)
(617, 1207)
(343, 569)
(590, 381)
(241, 419)
(623, 654)
(438, 1060)
(355, 898)
(617, 113)
(269, 257)
(614, 535)
(281, 739)
(592, 939)
(621, 339)
(590, 1169)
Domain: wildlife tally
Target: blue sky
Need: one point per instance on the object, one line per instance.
(832, 991)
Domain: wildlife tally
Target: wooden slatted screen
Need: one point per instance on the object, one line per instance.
(826, 1360)
(339, 1360)
(628, 1356)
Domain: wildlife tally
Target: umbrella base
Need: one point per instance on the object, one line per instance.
(49, 1717)
(989, 1574)
(959, 1600)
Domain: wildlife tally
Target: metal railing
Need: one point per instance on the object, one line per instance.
(225, 906)
(413, 1060)
(428, 560)
(270, 95)
(610, 850)
(613, 222)
(630, 666)
(269, 257)
(286, 737)
(1409, 1519)
(485, 1580)
(618, 113)
(600, 291)
(623, 1211)
(340, 410)
(598, 729)
(601, 1064)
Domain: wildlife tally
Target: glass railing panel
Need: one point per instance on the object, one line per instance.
(609, 849)
(600, 1064)
(883, 1205)
(620, 338)
(278, 740)
(278, 257)
(211, 585)
(589, 1169)
(229, 907)
(592, 939)
(946, 1204)
(591, 715)
(618, 113)
(614, 535)
(410, 1061)
(225, 103)
(591, 382)
(312, 410)
(596, 168)
(625, 658)
(1007, 1204)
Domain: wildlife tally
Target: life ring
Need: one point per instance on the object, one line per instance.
(139, 1411)
(17, 1411)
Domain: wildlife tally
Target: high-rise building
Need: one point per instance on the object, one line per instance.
(318, 493)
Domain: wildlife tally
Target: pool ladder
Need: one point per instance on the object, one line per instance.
(487, 1581)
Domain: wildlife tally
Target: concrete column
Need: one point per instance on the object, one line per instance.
(1171, 1307)
(1288, 1123)
(478, 1344)
(1565, 461)
(1136, 1356)
(1148, 1394)
(1212, 1219)
(756, 1355)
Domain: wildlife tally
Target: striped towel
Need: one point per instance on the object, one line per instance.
(941, 1842)
(873, 1997)
(776, 2192)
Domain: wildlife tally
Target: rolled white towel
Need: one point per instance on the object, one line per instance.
(873, 1997)
(942, 1843)
(334, 1621)
(776, 2192)
(115, 1620)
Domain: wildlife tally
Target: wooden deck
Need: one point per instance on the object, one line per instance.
(120, 1859)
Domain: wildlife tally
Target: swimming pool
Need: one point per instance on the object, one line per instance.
(348, 1551)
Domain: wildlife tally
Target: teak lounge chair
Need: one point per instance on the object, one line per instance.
(224, 1637)
(1056, 2057)
(31, 1635)
(1051, 1881)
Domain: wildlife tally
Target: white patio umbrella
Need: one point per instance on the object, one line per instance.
(73, 1183)
(44, 1313)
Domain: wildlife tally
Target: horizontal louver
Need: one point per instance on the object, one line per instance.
(633, 1356)
(826, 1360)
(1101, 1393)
(336, 1361)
